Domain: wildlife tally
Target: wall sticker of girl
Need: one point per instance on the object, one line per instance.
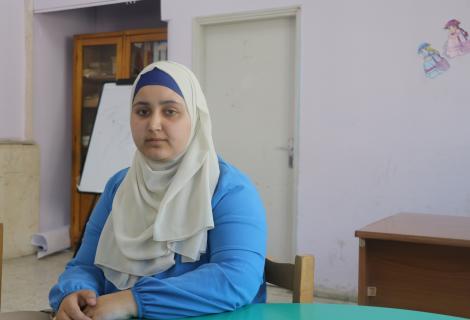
(433, 63)
(457, 43)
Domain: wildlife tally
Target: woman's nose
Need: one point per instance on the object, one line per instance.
(155, 122)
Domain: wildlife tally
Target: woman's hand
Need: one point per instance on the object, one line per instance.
(118, 305)
(72, 305)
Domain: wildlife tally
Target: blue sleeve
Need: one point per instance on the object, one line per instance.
(234, 273)
(80, 272)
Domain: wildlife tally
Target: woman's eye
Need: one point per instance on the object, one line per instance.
(170, 112)
(143, 112)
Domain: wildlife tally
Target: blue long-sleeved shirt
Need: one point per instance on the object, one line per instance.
(228, 276)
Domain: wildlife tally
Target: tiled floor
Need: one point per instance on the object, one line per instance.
(27, 280)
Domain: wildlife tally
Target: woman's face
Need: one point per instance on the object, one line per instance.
(160, 123)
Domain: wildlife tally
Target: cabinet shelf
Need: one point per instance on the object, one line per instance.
(100, 78)
(91, 102)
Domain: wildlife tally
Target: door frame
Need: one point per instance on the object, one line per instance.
(198, 52)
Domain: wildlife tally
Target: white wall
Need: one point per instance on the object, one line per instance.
(13, 66)
(53, 49)
(143, 14)
(376, 136)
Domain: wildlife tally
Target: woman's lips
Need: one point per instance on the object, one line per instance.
(155, 141)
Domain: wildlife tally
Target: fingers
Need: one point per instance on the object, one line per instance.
(70, 308)
(76, 314)
(62, 316)
(91, 301)
(86, 297)
(88, 312)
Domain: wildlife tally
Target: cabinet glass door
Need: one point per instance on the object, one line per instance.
(99, 66)
(144, 53)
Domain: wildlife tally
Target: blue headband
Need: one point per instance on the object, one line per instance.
(157, 77)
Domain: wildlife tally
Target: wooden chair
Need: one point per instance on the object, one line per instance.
(297, 277)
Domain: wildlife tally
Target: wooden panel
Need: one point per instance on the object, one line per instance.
(362, 293)
(420, 228)
(144, 35)
(424, 277)
(162, 32)
(303, 279)
(76, 137)
(99, 35)
(297, 277)
(87, 203)
(80, 211)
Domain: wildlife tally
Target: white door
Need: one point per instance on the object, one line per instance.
(247, 70)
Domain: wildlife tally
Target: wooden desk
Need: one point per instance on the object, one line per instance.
(307, 311)
(416, 261)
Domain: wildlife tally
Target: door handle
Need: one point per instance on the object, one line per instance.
(290, 151)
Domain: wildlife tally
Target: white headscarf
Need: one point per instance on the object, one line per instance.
(163, 208)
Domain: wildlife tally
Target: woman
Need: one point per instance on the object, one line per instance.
(181, 232)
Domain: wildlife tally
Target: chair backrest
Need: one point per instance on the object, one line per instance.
(297, 277)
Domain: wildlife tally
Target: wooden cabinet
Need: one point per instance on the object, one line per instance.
(100, 58)
(416, 261)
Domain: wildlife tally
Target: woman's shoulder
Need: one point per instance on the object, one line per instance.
(236, 195)
(231, 175)
(232, 180)
(115, 181)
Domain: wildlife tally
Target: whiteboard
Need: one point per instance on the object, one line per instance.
(111, 146)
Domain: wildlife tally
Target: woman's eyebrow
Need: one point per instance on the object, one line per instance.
(141, 103)
(169, 101)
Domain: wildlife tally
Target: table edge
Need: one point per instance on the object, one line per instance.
(412, 238)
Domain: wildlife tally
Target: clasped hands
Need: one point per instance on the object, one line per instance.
(84, 305)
